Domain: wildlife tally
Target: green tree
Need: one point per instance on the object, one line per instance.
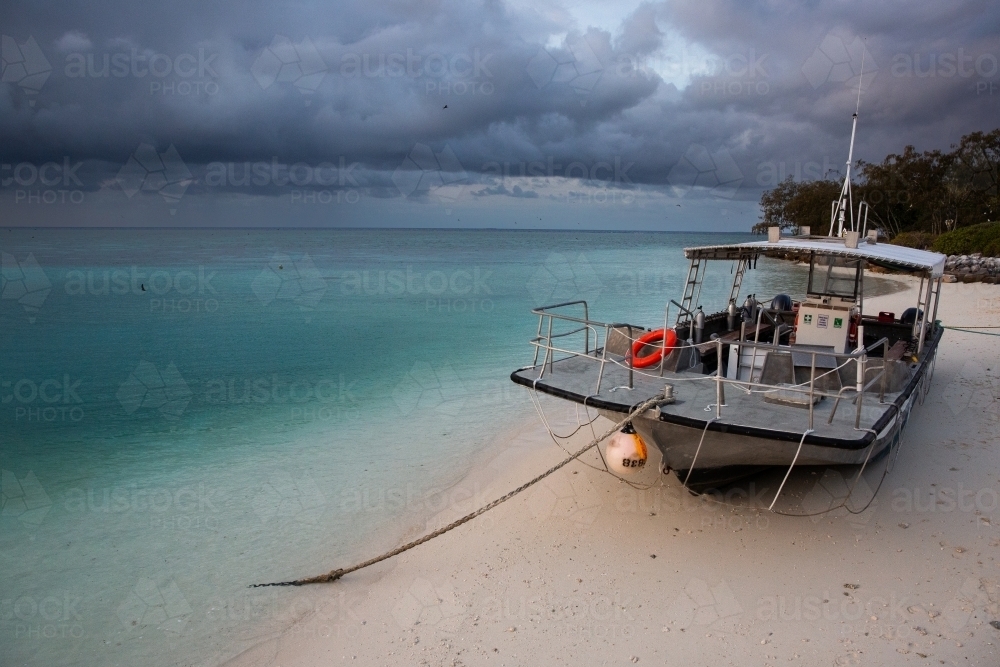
(792, 205)
(977, 173)
(929, 192)
(907, 191)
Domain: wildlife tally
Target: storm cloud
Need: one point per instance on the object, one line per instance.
(518, 102)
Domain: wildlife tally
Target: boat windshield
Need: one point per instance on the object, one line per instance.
(830, 275)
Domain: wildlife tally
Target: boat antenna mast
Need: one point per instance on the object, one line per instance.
(845, 204)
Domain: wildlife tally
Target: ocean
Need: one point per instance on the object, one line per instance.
(187, 412)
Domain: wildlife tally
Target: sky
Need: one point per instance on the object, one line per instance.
(669, 116)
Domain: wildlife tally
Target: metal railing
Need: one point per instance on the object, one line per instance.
(599, 354)
(542, 314)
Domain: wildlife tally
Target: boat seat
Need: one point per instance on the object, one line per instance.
(793, 367)
(778, 368)
(825, 381)
(894, 331)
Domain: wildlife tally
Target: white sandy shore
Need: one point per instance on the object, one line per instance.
(566, 573)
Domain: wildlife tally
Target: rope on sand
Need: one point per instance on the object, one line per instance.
(334, 575)
(970, 330)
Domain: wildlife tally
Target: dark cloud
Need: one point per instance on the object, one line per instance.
(765, 87)
(501, 189)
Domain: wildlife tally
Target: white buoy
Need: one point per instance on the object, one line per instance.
(626, 453)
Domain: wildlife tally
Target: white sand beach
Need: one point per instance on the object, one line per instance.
(585, 570)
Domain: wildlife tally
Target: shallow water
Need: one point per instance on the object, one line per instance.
(186, 412)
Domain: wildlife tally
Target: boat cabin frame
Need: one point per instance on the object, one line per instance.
(861, 252)
(877, 355)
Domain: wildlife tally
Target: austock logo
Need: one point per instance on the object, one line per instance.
(561, 278)
(945, 65)
(146, 387)
(833, 491)
(24, 282)
(566, 496)
(704, 605)
(717, 172)
(423, 172)
(149, 605)
(176, 291)
(974, 388)
(23, 65)
(458, 291)
(886, 617)
(40, 184)
(283, 61)
(835, 61)
(149, 171)
(430, 607)
(285, 498)
(576, 65)
(975, 595)
(48, 400)
(425, 388)
(443, 74)
(23, 499)
(42, 616)
(322, 183)
(285, 280)
(182, 75)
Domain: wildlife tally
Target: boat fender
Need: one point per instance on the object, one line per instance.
(626, 453)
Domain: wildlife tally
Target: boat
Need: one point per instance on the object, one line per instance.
(812, 381)
(808, 381)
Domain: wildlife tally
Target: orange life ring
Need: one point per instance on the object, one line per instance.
(648, 338)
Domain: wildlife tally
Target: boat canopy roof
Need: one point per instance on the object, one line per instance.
(881, 254)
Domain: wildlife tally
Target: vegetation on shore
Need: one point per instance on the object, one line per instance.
(983, 238)
(939, 200)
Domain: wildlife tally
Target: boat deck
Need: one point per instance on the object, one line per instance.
(575, 378)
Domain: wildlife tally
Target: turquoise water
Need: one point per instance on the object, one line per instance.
(185, 412)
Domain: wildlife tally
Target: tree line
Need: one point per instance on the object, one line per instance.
(930, 192)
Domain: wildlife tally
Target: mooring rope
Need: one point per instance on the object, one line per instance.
(334, 575)
(970, 330)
